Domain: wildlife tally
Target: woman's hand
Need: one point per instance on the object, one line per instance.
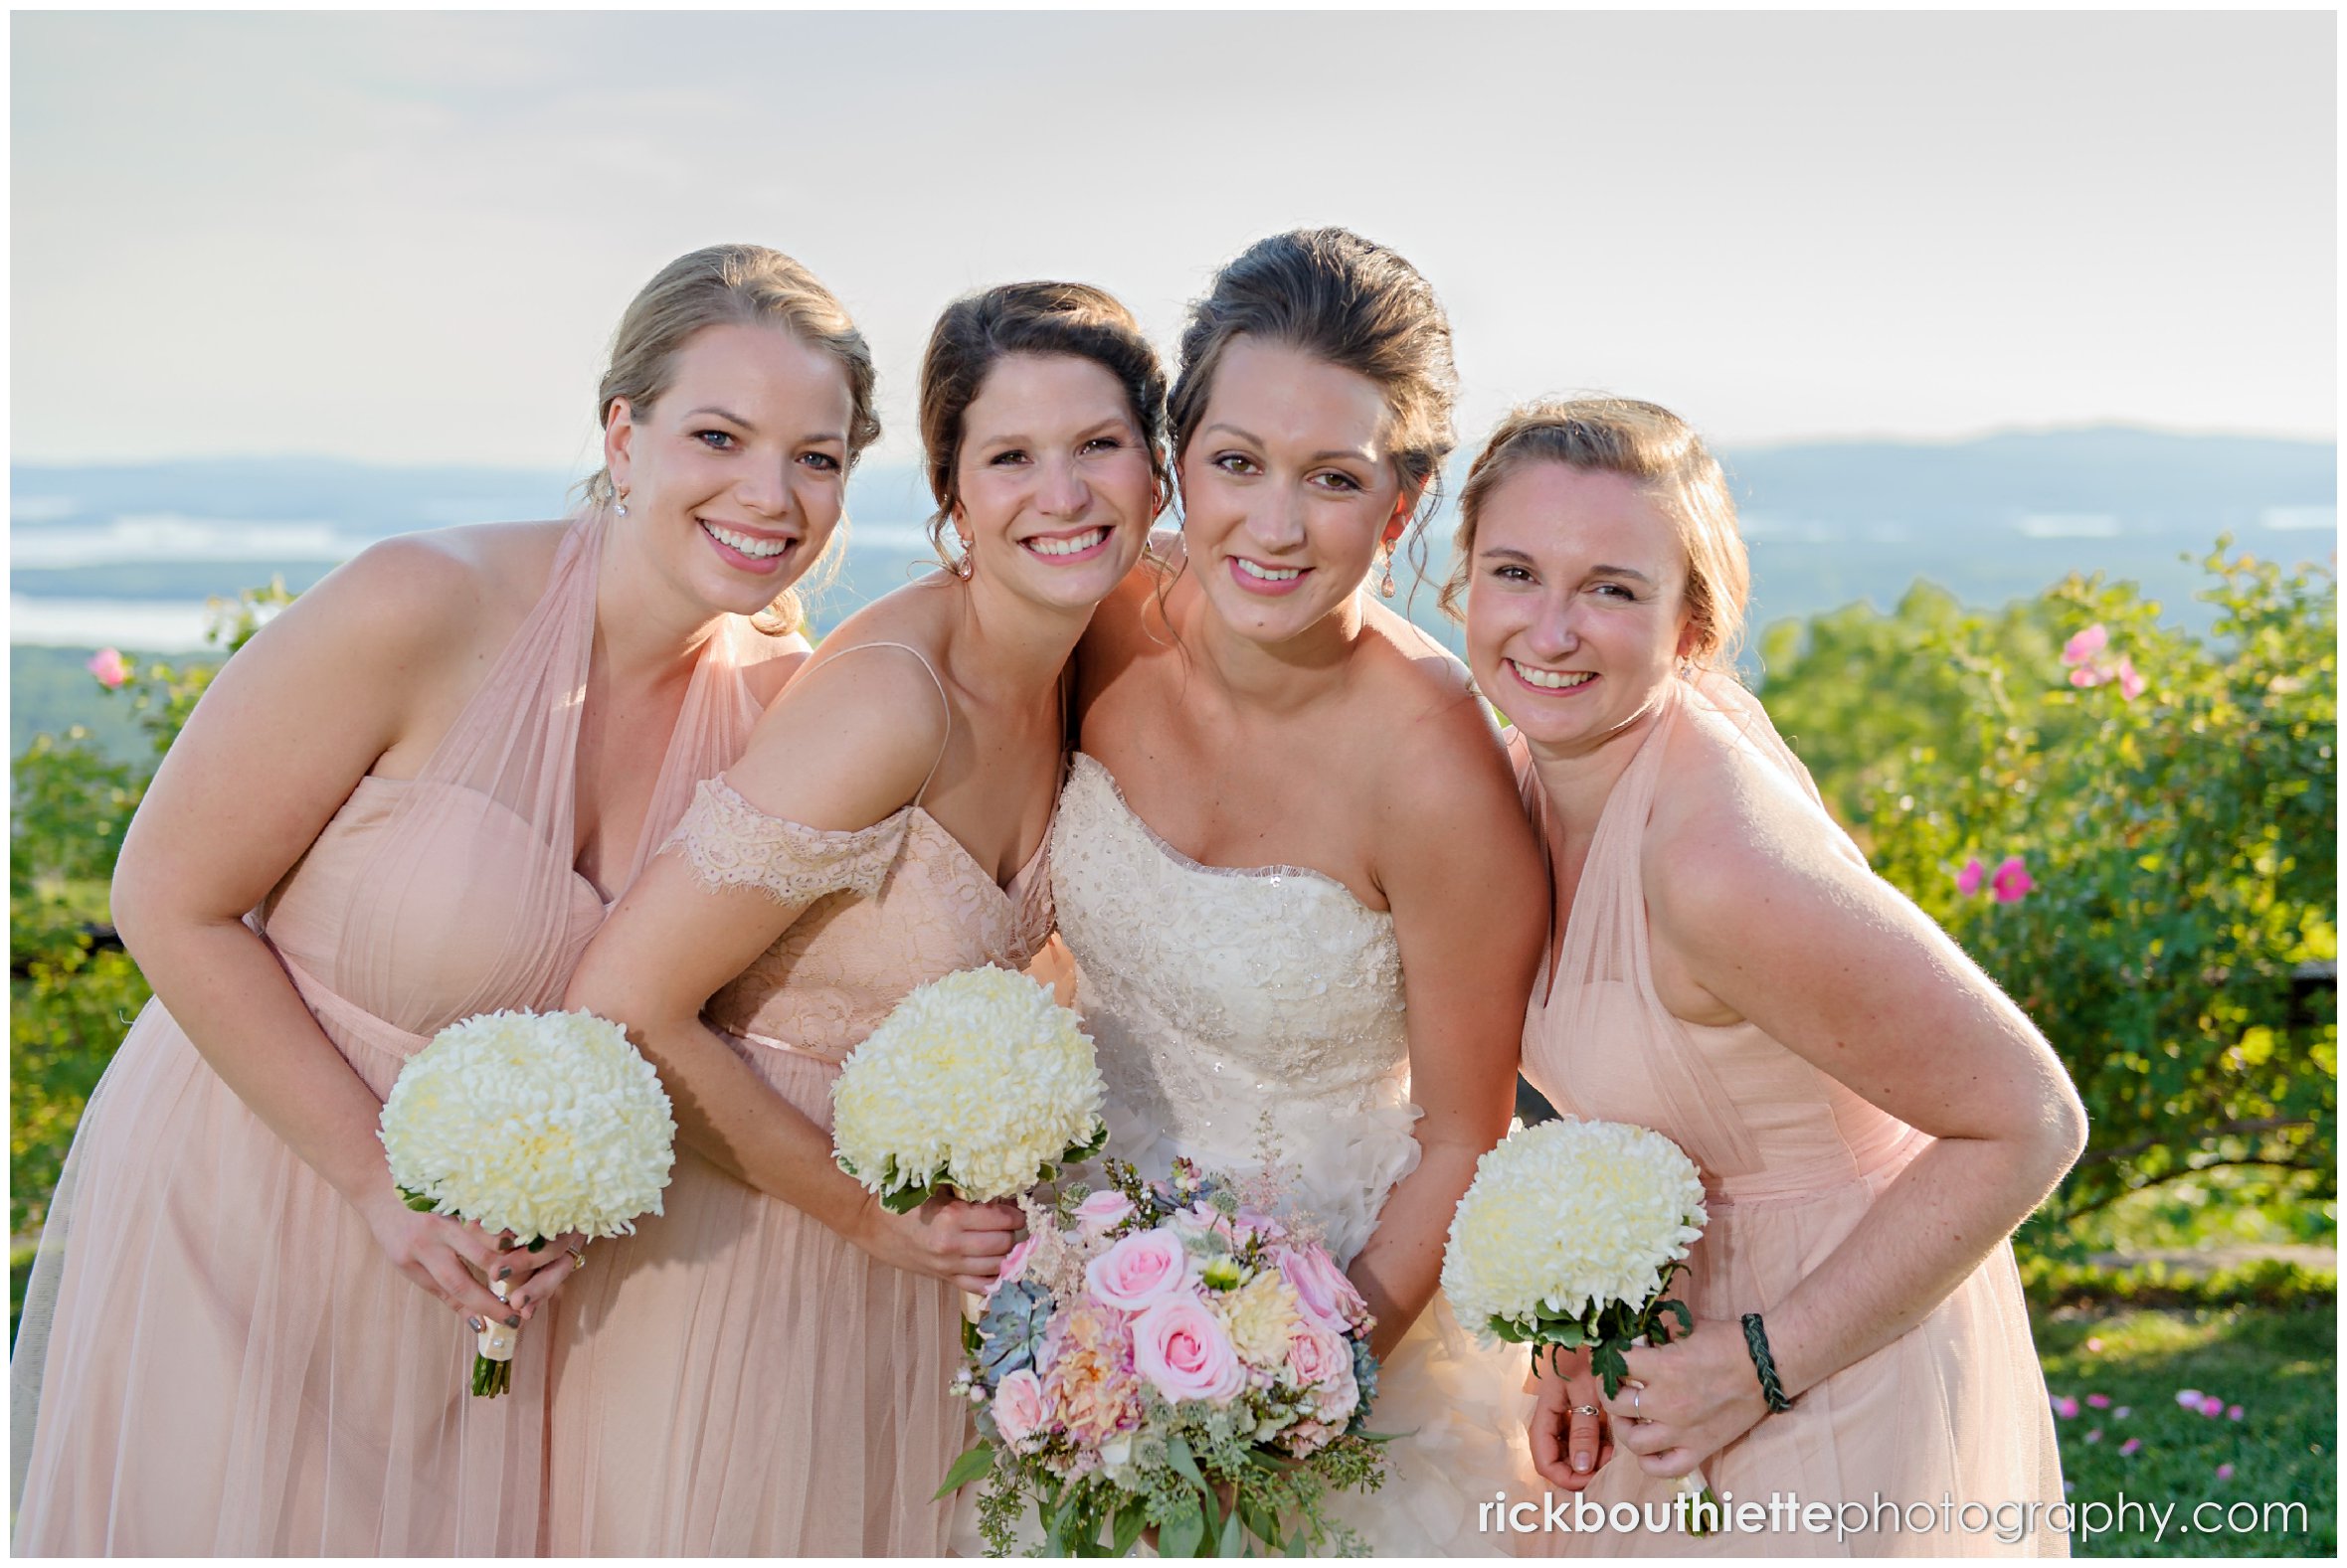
(1685, 1401)
(1572, 1438)
(963, 1244)
(531, 1277)
(434, 1252)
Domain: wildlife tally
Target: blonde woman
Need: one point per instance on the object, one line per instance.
(1871, 1117)
(411, 798)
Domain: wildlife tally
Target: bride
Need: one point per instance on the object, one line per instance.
(1291, 862)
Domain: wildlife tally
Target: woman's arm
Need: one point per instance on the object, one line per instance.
(840, 751)
(277, 743)
(1759, 901)
(1462, 874)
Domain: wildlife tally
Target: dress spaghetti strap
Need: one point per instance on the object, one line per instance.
(942, 698)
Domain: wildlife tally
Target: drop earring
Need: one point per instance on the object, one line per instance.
(1385, 582)
(620, 502)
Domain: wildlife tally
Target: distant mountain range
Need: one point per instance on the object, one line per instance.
(2102, 480)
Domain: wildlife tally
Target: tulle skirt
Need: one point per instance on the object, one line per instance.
(1947, 1427)
(217, 1360)
(736, 1379)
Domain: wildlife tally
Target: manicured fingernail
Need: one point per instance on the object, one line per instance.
(476, 1323)
(1580, 1464)
(513, 1320)
(504, 1273)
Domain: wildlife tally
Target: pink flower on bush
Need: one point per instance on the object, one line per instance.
(2065, 1407)
(2098, 1401)
(2210, 1405)
(2233, 1412)
(110, 668)
(1138, 1271)
(2224, 1472)
(1018, 1408)
(2083, 646)
(2094, 1344)
(2130, 684)
(1185, 1353)
(1322, 1290)
(1969, 879)
(2128, 1448)
(2011, 883)
(1102, 1212)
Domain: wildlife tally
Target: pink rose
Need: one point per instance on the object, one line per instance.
(1019, 1407)
(1320, 1359)
(110, 668)
(1014, 1262)
(1185, 1353)
(1102, 1212)
(1139, 1270)
(1327, 1296)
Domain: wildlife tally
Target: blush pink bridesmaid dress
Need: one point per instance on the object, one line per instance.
(215, 1358)
(737, 1379)
(1791, 1161)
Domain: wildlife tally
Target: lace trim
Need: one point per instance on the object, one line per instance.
(1117, 792)
(729, 844)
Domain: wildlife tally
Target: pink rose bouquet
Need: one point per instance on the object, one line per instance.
(1167, 1355)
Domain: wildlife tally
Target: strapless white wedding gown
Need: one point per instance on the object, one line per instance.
(1254, 1016)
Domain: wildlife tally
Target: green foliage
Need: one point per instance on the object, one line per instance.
(2279, 1365)
(72, 992)
(2182, 843)
(2266, 1282)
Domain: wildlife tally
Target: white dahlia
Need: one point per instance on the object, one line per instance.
(1568, 1217)
(977, 1081)
(536, 1124)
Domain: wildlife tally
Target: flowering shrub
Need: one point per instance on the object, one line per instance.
(2165, 801)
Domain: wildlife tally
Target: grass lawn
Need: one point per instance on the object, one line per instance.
(2279, 1365)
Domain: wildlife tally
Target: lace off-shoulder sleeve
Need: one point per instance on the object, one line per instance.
(730, 843)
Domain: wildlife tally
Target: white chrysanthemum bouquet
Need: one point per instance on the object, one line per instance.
(538, 1124)
(978, 1082)
(1571, 1235)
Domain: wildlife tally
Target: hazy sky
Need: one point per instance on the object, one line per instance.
(408, 237)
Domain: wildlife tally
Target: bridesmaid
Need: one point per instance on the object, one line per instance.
(406, 801)
(764, 1371)
(1294, 752)
(1870, 1114)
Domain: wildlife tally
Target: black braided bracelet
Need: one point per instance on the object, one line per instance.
(1757, 1341)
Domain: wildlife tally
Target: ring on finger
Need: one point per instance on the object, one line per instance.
(1589, 1410)
(577, 1258)
(1636, 1389)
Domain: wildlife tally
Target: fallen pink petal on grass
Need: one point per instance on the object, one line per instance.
(2065, 1407)
(2224, 1472)
(2210, 1405)
(2094, 1435)
(110, 668)
(2233, 1413)
(2128, 1448)
(2122, 1413)
(2189, 1398)
(2009, 882)
(2098, 1401)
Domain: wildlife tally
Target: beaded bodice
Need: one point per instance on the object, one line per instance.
(1229, 1004)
